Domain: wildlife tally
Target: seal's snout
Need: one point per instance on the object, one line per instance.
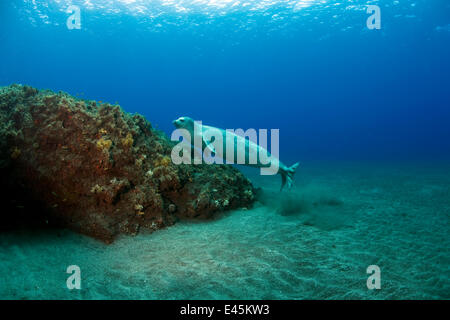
(180, 122)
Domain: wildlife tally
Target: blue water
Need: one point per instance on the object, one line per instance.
(366, 113)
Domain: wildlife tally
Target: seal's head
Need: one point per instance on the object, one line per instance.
(184, 123)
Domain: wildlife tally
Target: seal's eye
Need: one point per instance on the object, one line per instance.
(181, 120)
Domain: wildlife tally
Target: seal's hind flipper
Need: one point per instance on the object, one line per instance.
(287, 176)
(283, 181)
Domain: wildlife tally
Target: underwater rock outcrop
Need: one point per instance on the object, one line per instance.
(95, 169)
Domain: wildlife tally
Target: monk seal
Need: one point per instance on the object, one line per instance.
(216, 142)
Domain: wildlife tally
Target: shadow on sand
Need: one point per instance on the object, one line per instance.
(312, 206)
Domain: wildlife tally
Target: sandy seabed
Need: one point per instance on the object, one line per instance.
(314, 242)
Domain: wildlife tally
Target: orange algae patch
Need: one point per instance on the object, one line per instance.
(163, 161)
(104, 144)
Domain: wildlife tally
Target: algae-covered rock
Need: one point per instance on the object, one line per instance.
(99, 171)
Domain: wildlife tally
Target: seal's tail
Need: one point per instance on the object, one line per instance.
(288, 175)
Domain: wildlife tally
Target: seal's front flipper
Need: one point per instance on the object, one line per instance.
(209, 145)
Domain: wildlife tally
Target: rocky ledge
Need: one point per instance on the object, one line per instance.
(97, 170)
